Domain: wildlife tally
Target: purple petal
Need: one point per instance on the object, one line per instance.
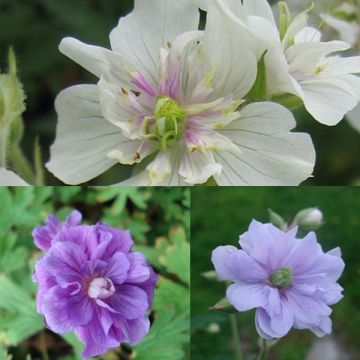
(247, 296)
(220, 259)
(307, 310)
(94, 338)
(74, 218)
(324, 327)
(64, 260)
(44, 235)
(275, 326)
(66, 308)
(268, 245)
(93, 269)
(139, 270)
(121, 239)
(149, 285)
(129, 301)
(304, 254)
(117, 268)
(82, 235)
(46, 281)
(134, 330)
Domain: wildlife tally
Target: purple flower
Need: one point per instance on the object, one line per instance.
(92, 282)
(44, 235)
(289, 281)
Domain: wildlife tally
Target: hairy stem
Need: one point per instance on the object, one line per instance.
(20, 164)
(236, 336)
(3, 145)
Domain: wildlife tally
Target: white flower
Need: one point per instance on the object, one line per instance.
(167, 100)
(9, 178)
(297, 62)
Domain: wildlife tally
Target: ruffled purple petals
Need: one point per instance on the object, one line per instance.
(91, 282)
(247, 296)
(66, 308)
(134, 330)
(44, 235)
(129, 301)
(291, 282)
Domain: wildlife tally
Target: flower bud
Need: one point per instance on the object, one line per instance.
(309, 219)
(12, 97)
(277, 220)
(224, 305)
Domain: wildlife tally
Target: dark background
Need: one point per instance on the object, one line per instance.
(35, 28)
(220, 215)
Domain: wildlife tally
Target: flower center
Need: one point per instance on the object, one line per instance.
(167, 123)
(101, 288)
(281, 278)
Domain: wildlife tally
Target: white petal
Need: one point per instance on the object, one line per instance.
(234, 63)
(152, 24)
(271, 154)
(83, 138)
(91, 58)
(259, 8)
(354, 118)
(173, 157)
(198, 166)
(327, 101)
(130, 152)
(9, 178)
(308, 34)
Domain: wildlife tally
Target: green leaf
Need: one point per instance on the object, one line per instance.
(21, 320)
(176, 258)
(170, 293)
(166, 338)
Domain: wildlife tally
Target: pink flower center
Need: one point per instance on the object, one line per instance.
(101, 288)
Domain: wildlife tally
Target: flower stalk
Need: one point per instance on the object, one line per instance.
(236, 336)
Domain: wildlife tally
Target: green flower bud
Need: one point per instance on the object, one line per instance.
(12, 96)
(281, 278)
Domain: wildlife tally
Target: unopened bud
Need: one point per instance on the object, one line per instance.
(224, 305)
(309, 219)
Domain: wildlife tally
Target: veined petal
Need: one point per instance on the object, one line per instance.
(327, 101)
(9, 178)
(133, 151)
(151, 26)
(308, 34)
(234, 63)
(160, 169)
(91, 58)
(84, 137)
(198, 166)
(271, 154)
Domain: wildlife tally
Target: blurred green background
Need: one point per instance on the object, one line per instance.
(35, 28)
(159, 222)
(220, 215)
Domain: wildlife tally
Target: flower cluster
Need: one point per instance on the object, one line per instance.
(291, 282)
(92, 282)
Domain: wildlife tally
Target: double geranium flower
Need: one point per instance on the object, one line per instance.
(92, 282)
(170, 102)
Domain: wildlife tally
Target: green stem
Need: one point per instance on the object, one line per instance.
(3, 146)
(264, 351)
(236, 336)
(20, 164)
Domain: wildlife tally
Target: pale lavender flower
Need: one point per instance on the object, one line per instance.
(44, 234)
(291, 282)
(92, 282)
